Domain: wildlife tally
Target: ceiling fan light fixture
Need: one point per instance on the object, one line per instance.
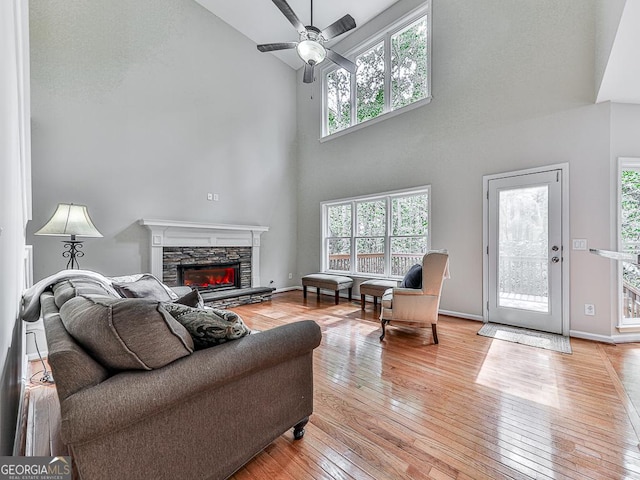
(311, 52)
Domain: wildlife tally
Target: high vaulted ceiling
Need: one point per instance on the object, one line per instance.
(262, 22)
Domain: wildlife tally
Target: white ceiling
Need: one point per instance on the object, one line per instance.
(262, 22)
(621, 80)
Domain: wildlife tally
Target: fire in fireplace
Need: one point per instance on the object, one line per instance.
(210, 277)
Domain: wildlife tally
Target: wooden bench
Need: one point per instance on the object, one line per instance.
(375, 288)
(328, 282)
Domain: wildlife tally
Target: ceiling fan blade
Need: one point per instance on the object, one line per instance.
(291, 16)
(339, 27)
(308, 73)
(270, 47)
(339, 60)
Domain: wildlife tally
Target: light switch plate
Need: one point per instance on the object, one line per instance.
(579, 244)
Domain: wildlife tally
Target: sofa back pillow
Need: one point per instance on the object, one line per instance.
(65, 290)
(147, 286)
(126, 333)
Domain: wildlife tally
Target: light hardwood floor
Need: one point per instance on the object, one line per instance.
(467, 408)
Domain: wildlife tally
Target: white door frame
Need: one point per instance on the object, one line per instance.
(564, 167)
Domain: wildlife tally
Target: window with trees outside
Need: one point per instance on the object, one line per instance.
(393, 72)
(629, 238)
(376, 236)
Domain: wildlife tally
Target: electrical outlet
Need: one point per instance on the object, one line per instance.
(216, 197)
(209, 196)
(589, 309)
(290, 276)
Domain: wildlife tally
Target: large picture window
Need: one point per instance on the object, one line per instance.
(393, 72)
(376, 236)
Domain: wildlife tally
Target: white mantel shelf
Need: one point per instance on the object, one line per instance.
(175, 233)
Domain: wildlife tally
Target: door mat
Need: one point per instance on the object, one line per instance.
(549, 341)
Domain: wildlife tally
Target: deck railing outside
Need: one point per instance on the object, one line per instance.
(374, 263)
(630, 301)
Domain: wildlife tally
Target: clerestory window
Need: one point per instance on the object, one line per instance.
(379, 235)
(393, 73)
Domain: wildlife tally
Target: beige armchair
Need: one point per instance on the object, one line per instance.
(417, 307)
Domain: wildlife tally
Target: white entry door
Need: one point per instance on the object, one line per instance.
(525, 251)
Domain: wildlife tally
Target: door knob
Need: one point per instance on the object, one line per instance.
(555, 259)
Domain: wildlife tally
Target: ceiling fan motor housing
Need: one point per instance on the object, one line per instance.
(310, 48)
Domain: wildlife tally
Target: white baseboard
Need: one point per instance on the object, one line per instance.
(591, 336)
(286, 289)
(466, 316)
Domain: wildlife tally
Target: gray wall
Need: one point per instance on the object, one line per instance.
(513, 88)
(141, 108)
(14, 212)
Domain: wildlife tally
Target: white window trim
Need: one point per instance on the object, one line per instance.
(385, 36)
(624, 324)
(425, 189)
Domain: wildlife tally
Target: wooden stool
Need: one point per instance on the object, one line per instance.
(328, 282)
(375, 288)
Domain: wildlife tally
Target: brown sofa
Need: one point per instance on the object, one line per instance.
(201, 416)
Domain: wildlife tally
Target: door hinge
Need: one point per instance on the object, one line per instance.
(557, 176)
(487, 306)
(487, 249)
(487, 194)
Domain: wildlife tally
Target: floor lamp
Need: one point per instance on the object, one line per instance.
(73, 220)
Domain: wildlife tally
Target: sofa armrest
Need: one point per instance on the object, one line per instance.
(133, 396)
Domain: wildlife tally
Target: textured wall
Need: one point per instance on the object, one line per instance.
(141, 108)
(513, 88)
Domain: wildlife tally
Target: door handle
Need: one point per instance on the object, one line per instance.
(555, 248)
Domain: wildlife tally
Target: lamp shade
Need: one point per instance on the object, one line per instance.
(70, 219)
(311, 51)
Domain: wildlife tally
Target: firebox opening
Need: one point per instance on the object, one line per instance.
(210, 277)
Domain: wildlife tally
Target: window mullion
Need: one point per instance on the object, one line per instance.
(353, 99)
(387, 241)
(354, 224)
(387, 73)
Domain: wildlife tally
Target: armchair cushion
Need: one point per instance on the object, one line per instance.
(413, 278)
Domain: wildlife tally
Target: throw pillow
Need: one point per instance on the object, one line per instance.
(147, 286)
(413, 278)
(126, 333)
(208, 327)
(191, 299)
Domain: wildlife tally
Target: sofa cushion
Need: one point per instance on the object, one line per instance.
(67, 289)
(413, 278)
(208, 327)
(147, 286)
(126, 333)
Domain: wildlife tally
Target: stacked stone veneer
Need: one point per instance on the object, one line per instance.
(172, 257)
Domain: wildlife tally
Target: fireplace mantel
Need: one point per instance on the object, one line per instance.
(172, 233)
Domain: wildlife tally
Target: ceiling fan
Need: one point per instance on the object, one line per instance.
(311, 47)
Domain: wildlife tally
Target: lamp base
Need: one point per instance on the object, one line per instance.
(73, 252)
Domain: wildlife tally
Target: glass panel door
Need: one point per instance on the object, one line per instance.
(525, 251)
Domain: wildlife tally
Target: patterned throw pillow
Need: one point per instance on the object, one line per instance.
(208, 327)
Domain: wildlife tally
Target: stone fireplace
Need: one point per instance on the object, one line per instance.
(222, 261)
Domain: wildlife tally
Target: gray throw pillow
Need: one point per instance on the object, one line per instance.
(126, 333)
(208, 327)
(147, 286)
(413, 278)
(191, 299)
